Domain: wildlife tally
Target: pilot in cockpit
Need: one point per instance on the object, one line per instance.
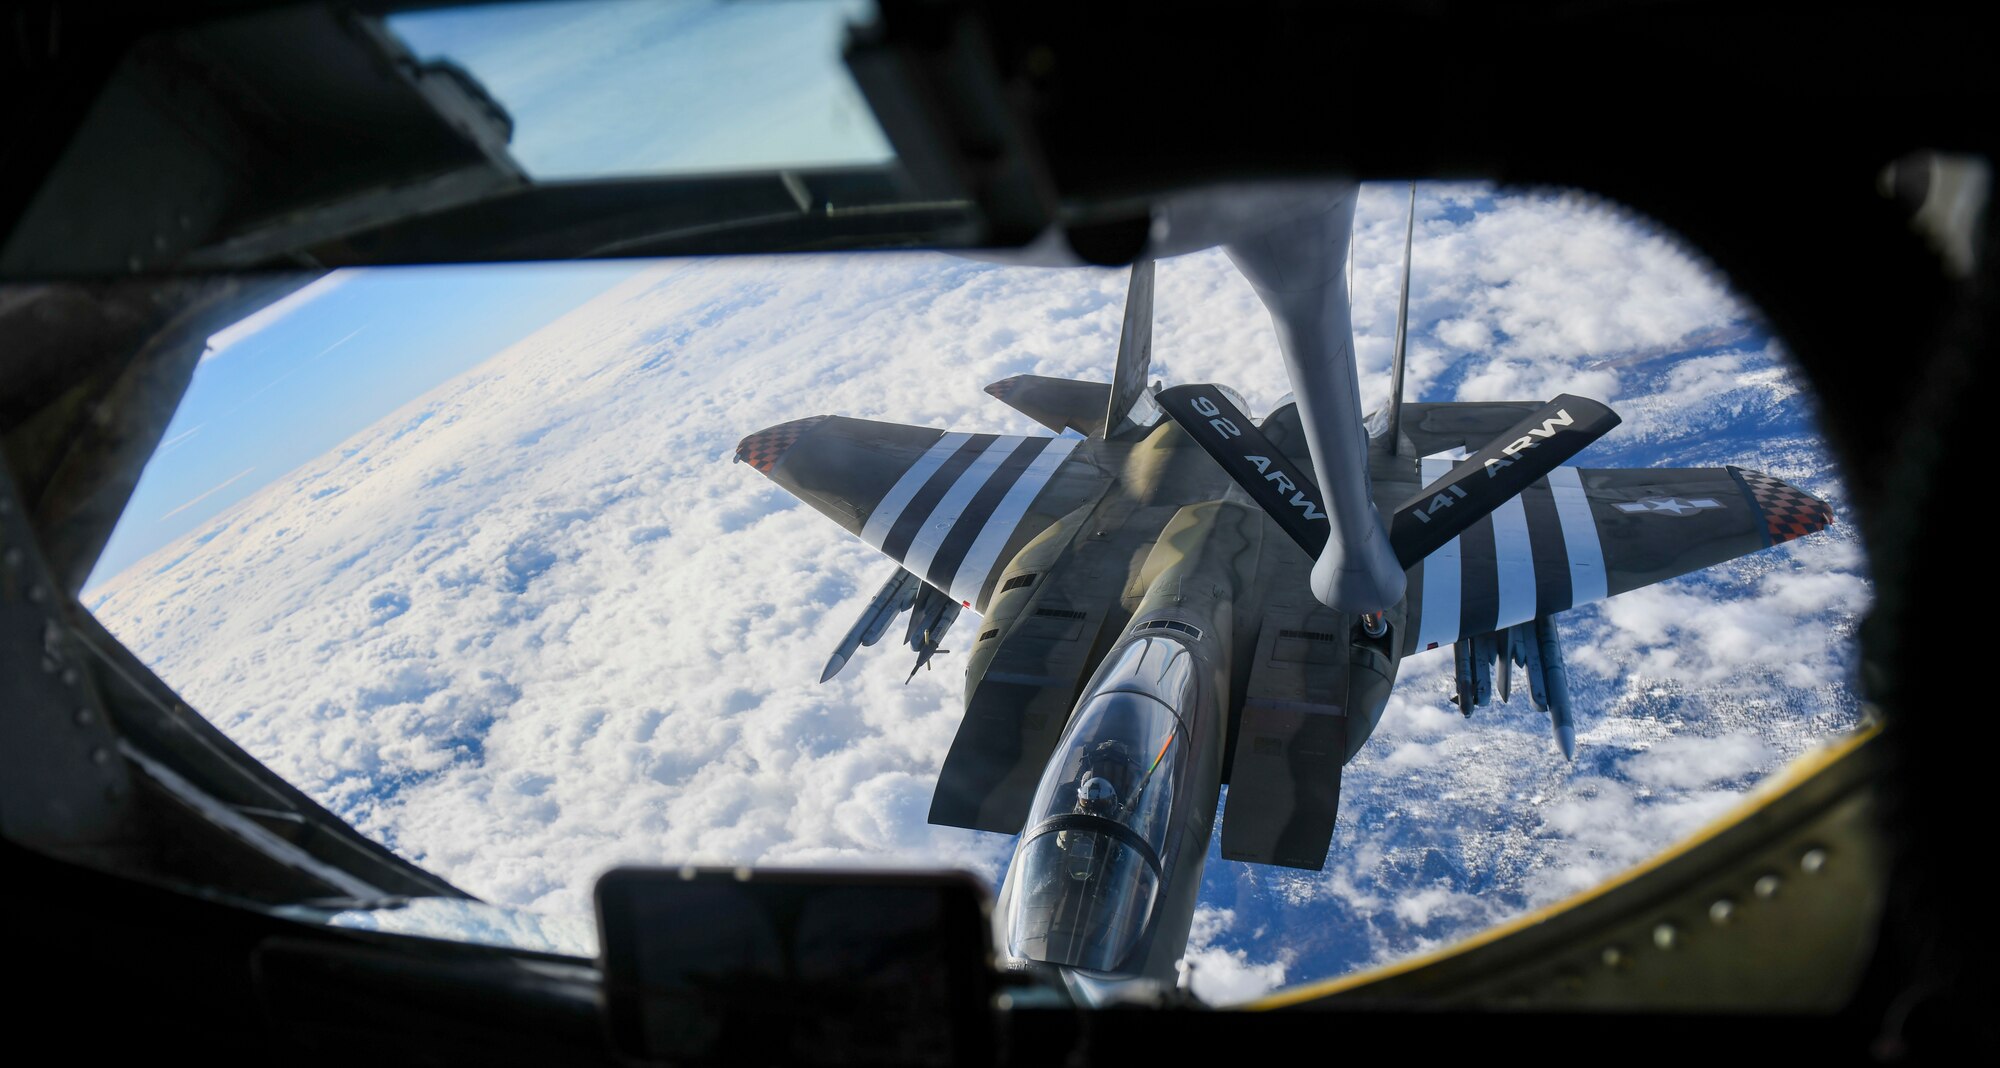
(1097, 794)
(1097, 797)
(1111, 760)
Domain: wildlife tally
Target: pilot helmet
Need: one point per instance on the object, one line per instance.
(1096, 795)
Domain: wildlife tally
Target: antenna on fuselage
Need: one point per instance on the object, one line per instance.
(1402, 330)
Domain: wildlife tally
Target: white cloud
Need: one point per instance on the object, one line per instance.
(1697, 762)
(1225, 976)
(470, 921)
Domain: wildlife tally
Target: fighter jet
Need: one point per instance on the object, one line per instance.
(1173, 596)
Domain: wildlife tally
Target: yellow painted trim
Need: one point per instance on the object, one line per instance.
(1796, 773)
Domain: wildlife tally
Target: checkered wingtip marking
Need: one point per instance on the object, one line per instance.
(766, 447)
(1789, 512)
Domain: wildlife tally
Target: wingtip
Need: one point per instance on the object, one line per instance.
(764, 449)
(1789, 512)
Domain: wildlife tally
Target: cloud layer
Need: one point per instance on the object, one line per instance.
(536, 624)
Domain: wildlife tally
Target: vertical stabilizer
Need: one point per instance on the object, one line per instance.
(1402, 331)
(1135, 348)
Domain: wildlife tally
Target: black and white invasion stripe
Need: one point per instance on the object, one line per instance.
(951, 513)
(1538, 553)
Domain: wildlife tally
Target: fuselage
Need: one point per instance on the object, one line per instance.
(1210, 615)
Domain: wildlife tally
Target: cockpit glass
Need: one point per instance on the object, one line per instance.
(462, 554)
(1084, 898)
(607, 88)
(1121, 766)
(1097, 842)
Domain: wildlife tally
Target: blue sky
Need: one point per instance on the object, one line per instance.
(353, 352)
(612, 87)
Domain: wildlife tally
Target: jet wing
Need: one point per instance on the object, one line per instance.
(1584, 534)
(951, 508)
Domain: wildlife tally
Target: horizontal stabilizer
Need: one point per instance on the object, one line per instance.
(1271, 479)
(1057, 403)
(1508, 464)
(1430, 427)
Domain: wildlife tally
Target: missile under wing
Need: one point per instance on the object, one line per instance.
(896, 596)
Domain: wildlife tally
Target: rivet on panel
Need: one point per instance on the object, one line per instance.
(1612, 956)
(1722, 911)
(84, 717)
(100, 756)
(70, 677)
(1767, 886)
(1812, 861)
(37, 594)
(1666, 936)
